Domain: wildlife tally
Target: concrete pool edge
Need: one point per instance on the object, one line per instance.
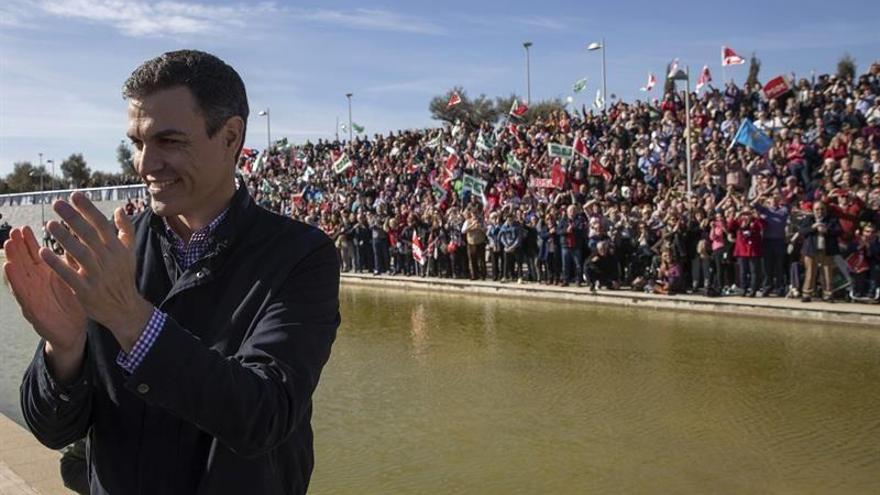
(778, 308)
(26, 466)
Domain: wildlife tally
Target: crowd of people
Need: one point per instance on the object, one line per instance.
(610, 207)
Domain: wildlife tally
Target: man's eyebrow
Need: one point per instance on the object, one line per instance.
(164, 133)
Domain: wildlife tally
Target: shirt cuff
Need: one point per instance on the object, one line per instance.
(129, 362)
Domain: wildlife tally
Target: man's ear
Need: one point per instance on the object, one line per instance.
(233, 134)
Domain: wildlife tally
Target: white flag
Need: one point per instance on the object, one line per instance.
(599, 102)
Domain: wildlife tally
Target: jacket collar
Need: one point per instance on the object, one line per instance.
(237, 220)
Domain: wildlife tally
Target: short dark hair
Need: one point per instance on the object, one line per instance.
(216, 87)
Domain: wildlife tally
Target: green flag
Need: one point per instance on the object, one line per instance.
(579, 85)
(357, 128)
(482, 143)
(473, 184)
(560, 150)
(258, 164)
(342, 164)
(513, 164)
(438, 191)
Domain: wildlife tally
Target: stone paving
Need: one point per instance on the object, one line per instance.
(26, 466)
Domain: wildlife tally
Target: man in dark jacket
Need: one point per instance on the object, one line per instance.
(185, 345)
(819, 232)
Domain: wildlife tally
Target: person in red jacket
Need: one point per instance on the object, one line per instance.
(749, 231)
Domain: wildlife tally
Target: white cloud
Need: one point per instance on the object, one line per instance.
(542, 22)
(142, 18)
(167, 18)
(371, 19)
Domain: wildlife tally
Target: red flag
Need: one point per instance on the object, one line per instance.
(776, 87)
(511, 128)
(704, 78)
(598, 170)
(451, 162)
(518, 108)
(453, 100)
(729, 57)
(418, 250)
(580, 148)
(297, 199)
(651, 82)
(557, 174)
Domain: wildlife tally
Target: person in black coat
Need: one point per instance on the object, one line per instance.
(185, 343)
(819, 232)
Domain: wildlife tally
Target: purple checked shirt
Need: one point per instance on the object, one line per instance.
(185, 254)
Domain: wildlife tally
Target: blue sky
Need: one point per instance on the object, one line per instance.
(62, 63)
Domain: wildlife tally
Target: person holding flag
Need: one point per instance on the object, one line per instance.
(751, 137)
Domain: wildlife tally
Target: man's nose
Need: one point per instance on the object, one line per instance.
(148, 160)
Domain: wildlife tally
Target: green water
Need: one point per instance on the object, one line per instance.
(436, 393)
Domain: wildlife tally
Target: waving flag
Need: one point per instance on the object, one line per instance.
(752, 137)
(560, 150)
(518, 108)
(482, 143)
(453, 100)
(651, 82)
(513, 164)
(776, 87)
(557, 174)
(704, 78)
(342, 164)
(673, 68)
(579, 85)
(451, 162)
(598, 170)
(599, 102)
(438, 191)
(729, 57)
(580, 148)
(357, 128)
(418, 250)
(435, 141)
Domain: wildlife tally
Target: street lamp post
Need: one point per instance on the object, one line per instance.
(526, 45)
(685, 75)
(52, 184)
(265, 113)
(687, 111)
(601, 46)
(42, 190)
(349, 95)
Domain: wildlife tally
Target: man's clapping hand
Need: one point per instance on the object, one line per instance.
(100, 266)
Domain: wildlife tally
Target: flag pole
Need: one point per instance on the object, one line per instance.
(687, 109)
(604, 78)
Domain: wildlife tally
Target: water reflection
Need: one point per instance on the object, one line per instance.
(483, 395)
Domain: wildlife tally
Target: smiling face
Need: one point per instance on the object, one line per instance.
(188, 173)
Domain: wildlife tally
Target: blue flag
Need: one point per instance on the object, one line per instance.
(754, 138)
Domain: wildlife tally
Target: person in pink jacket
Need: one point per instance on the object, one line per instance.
(749, 230)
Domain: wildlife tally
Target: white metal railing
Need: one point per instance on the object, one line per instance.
(110, 193)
